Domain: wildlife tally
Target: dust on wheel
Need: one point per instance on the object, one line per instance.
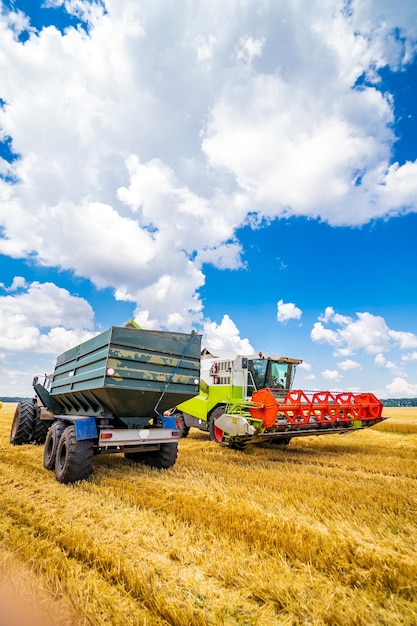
(73, 458)
(164, 458)
(51, 444)
(23, 423)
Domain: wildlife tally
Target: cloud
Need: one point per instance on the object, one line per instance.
(18, 283)
(404, 340)
(367, 332)
(332, 375)
(250, 48)
(400, 388)
(225, 336)
(287, 311)
(382, 362)
(349, 364)
(43, 318)
(320, 334)
(138, 163)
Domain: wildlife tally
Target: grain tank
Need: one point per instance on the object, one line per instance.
(108, 395)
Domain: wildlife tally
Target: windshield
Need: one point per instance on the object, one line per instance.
(277, 375)
(257, 372)
(266, 373)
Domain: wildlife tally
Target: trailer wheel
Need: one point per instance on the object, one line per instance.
(216, 434)
(73, 458)
(164, 458)
(23, 422)
(51, 444)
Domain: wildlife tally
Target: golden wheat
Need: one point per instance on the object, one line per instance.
(319, 532)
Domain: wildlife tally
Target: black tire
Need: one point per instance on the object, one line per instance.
(280, 442)
(40, 428)
(179, 418)
(73, 458)
(240, 446)
(23, 423)
(51, 444)
(135, 457)
(164, 458)
(216, 434)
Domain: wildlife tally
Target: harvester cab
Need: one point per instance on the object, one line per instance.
(249, 373)
(276, 373)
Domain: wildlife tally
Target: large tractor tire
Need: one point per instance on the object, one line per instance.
(40, 428)
(51, 444)
(164, 458)
(73, 458)
(23, 422)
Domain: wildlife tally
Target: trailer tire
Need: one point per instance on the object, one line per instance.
(23, 423)
(73, 458)
(164, 458)
(51, 444)
(216, 434)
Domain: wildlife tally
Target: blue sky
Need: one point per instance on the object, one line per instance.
(248, 170)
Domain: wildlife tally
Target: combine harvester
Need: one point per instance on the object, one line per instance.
(250, 400)
(107, 395)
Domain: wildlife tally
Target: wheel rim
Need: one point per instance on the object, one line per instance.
(50, 447)
(61, 457)
(218, 434)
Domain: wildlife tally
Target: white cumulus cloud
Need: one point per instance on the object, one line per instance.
(44, 318)
(138, 160)
(349, 364)
(225, 336)
(287, 311)
(401, 388)
(366, 332)
(331, 375)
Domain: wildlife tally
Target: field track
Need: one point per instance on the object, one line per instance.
(322, 532)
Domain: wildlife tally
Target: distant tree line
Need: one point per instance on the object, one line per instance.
(400, 402)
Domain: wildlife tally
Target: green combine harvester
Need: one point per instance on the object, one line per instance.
(250, 399)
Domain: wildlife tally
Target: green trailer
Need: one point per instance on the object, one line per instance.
(108, 395)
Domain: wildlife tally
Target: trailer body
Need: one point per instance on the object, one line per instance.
(108, 395)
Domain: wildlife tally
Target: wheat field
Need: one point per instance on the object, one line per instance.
(320, 532)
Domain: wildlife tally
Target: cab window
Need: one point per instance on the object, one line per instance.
(256, 374)
(277, 376)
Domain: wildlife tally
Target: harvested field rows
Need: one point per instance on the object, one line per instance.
(319, 532)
